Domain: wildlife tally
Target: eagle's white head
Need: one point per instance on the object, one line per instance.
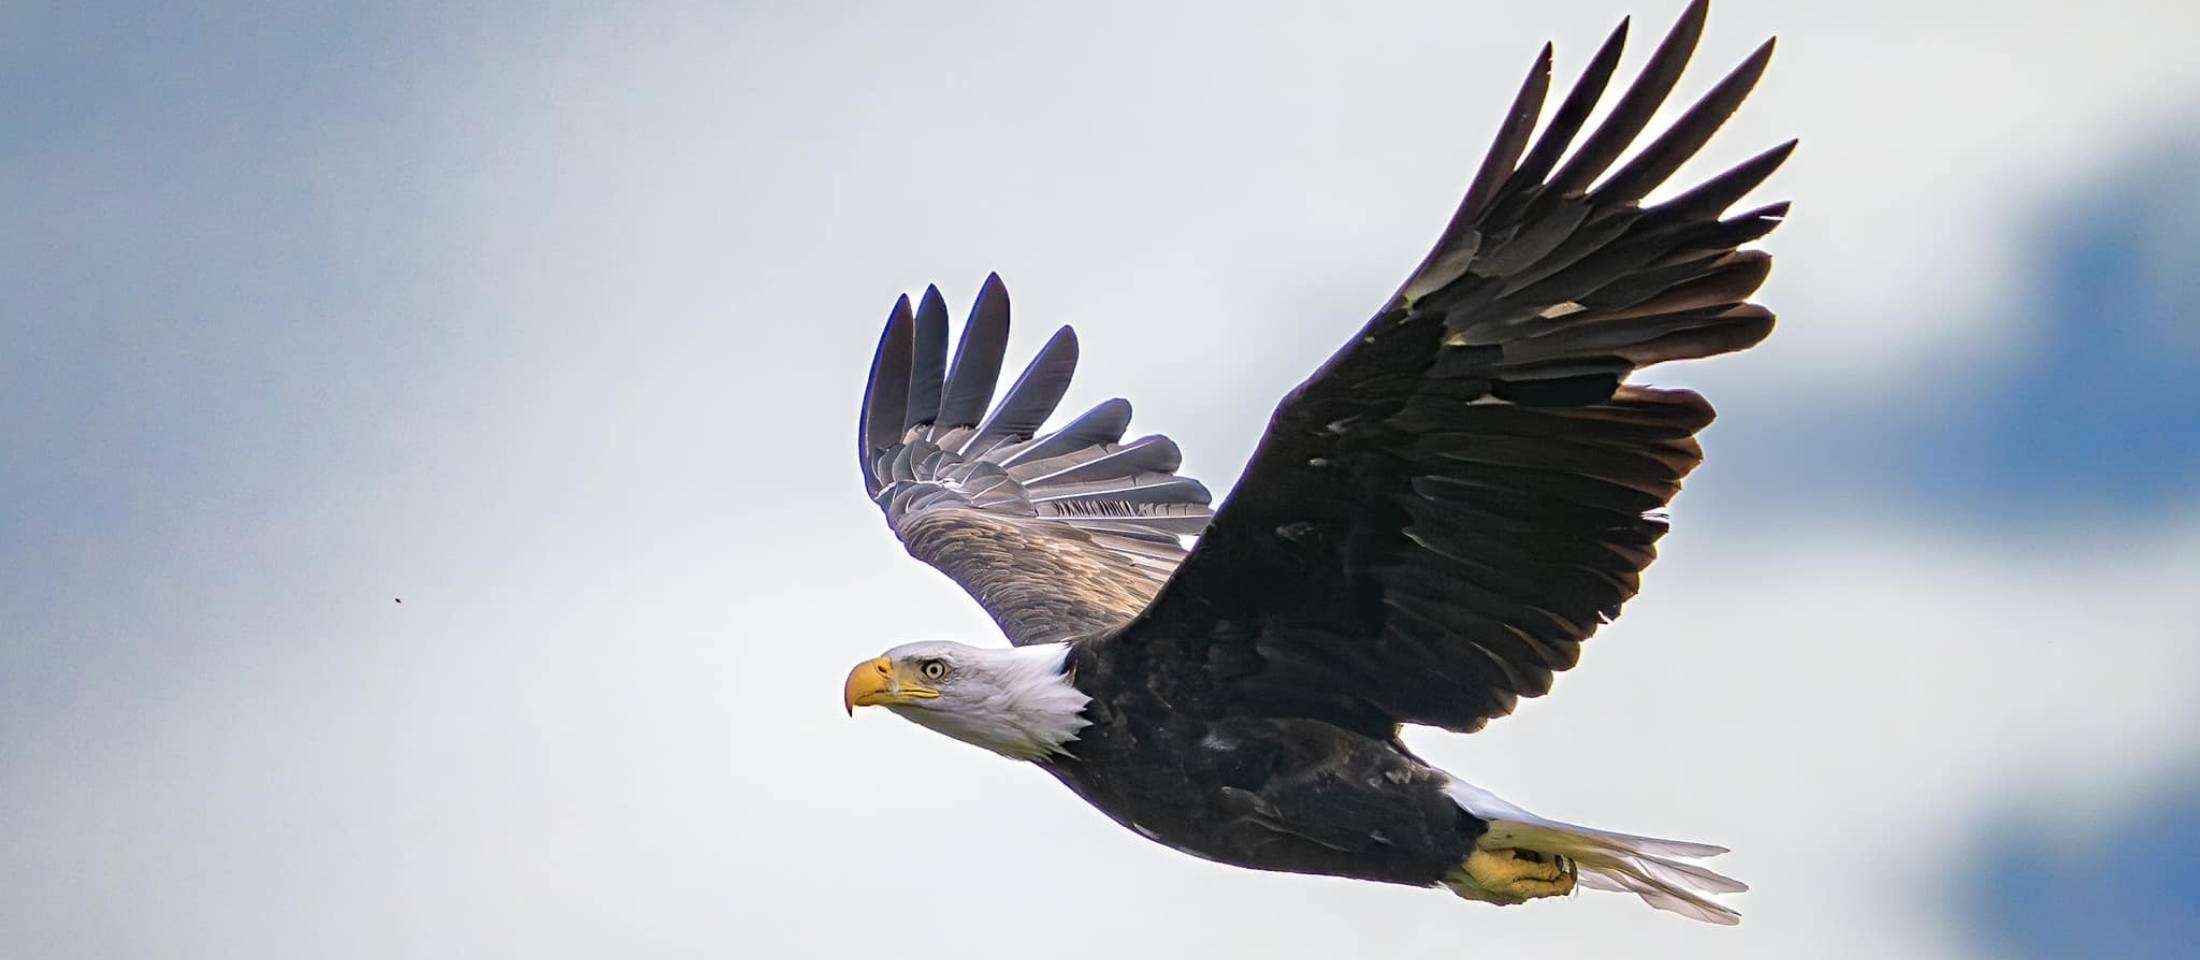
(1017, 702)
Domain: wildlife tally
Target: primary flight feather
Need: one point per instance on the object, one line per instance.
(1432, 525)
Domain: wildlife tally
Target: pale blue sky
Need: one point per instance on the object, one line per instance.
(551, 320)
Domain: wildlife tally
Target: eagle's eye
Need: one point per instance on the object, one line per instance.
(934, 669)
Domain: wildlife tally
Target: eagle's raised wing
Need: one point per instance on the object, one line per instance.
(1438, 518)
(1057, 534)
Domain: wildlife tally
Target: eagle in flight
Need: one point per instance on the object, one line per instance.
(1433, 524)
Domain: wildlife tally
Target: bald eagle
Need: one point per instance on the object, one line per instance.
(1432, 525)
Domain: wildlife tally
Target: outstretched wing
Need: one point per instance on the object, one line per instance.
(1056, 534)
(1438, 518)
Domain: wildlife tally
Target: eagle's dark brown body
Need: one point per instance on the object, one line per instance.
(1176, 764)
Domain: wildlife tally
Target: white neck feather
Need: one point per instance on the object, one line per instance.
(1027, 709)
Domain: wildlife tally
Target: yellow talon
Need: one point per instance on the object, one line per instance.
(1507, 876)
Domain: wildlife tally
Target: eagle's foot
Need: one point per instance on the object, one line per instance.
(1509, 876)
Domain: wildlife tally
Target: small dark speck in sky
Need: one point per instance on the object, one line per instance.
(398, 599)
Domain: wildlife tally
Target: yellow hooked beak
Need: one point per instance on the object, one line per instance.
(879, 682)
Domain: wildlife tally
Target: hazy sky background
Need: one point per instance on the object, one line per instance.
(551, 320)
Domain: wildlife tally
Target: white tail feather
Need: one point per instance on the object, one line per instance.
(1644, 866)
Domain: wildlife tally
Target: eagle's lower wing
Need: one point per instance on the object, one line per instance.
(1056, 534)
(1438, 518)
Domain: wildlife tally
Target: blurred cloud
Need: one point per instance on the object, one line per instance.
(2112, 883)
(2099, 410)
(2083, 408)
(549, 319)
